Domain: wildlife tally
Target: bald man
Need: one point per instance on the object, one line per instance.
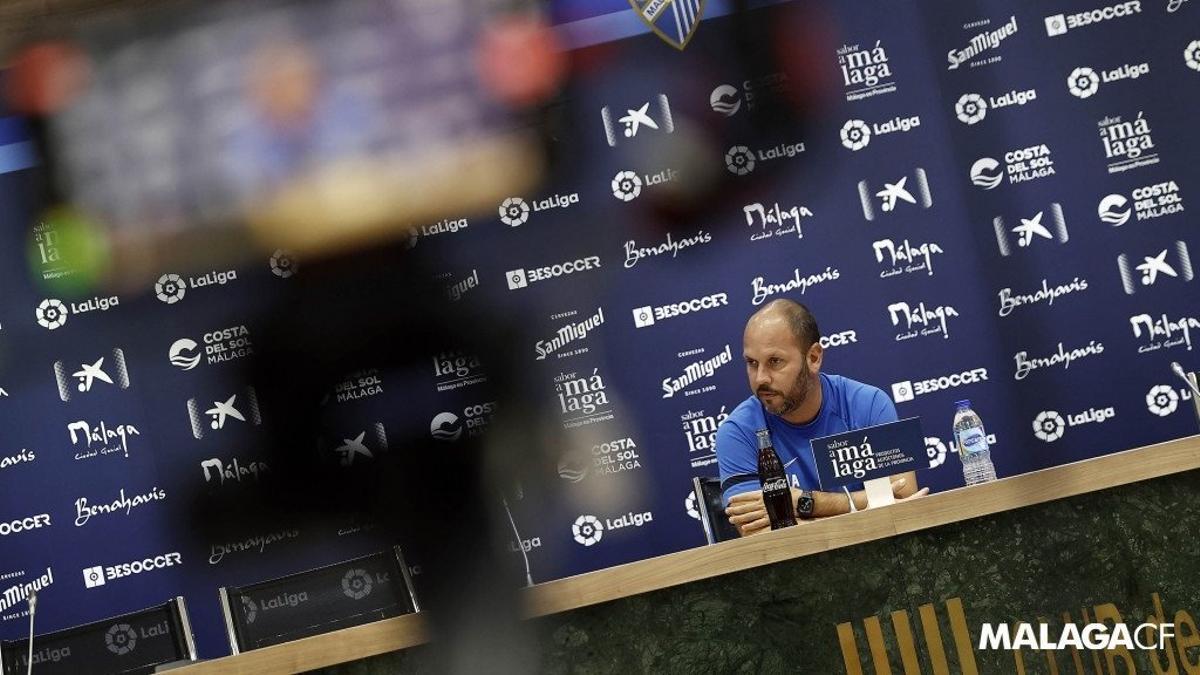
(796, 402)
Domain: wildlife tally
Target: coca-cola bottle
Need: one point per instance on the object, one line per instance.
(776, 495)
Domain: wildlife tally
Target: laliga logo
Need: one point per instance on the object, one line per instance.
(357, 584)
(739, 160)
(1191, 55)
(184, 354)
(1113, 211)
(856, 135)
(282, 264)
(1162, 400)
(726, 100)
(514, 211)
(120, 639)
(690, 505)
(970, 108)
(626, 186)
(170, 288)
(51, 314)
(985, 173)
(1049, 426)
(1083, 82)
(935, 449)
(587, 530)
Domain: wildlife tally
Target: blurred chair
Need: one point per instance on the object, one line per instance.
(712, 510)
(321, 600)
(145, 641)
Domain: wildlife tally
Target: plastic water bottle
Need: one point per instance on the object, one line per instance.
(972, 444)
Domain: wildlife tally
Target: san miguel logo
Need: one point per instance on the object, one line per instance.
(675, 21)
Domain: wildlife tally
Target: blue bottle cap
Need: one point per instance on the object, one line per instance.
(965, 403)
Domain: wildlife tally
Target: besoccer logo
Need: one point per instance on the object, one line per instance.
(516, 279)
(51, 314)
(587, 530)
(1056, 25)
(1049, 426)
(1113, 210)
(1083, 82)
(170, 288)
(856, 135)
(120, 639)
(93, 576)
(935, 449)
(739, 160)
(902, 391)
(986, 173)
(282, 264)
(643, 316)
(1162, 400)
(970, 109)
(1191, 55)
(514, 211)
(626, 186)
(357, 584)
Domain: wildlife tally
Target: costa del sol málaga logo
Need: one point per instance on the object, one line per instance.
(971, 108)
(1083, 82)
(170, 288)
(1162, 400)
(587, 530)
(626, 186)
(51, 314)
(1048, 426)
(514, 211)
(986, 173)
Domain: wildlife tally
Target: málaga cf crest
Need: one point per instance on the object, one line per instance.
(672, 20)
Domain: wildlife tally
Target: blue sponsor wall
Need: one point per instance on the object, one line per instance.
(995, 274)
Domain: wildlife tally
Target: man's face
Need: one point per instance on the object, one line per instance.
(777, 368)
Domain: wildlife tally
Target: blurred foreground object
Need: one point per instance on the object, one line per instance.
(308, 126)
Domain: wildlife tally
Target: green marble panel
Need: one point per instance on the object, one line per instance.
(1115, 546)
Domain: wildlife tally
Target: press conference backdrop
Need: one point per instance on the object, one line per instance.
(992, 204)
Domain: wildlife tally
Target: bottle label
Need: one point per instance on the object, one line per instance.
(971, 441)
(775, 485)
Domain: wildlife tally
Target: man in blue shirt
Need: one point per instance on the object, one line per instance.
(796, 402)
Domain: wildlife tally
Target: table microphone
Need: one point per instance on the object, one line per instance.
(1178, 370)
(32, 600)
(520, 543)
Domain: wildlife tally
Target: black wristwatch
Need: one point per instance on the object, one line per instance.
(804, 505)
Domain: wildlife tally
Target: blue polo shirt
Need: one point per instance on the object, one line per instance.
(845, 405)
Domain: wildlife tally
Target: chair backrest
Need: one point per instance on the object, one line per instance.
(137, 642)
(345, 594)
(712, 510)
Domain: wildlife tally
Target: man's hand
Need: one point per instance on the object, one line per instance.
(748, 513)
(900, 490)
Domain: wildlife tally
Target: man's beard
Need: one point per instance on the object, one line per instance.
(786, 402)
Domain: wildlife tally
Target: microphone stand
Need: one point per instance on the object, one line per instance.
(1189, 380)
(32, 600)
